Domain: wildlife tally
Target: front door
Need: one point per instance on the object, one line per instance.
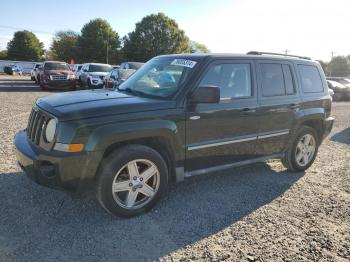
(226, 132)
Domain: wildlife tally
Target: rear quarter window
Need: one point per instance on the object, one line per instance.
(311, 81)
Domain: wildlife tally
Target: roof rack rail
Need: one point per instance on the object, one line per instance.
(269, 53)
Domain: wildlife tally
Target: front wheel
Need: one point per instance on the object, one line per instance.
(131, 180)
(302, 151)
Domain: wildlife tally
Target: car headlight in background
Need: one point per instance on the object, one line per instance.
(71, 77)
(50, 130)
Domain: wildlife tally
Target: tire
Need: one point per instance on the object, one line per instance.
(89, 83)
(291, 159)
(128, 183)
(32, 78)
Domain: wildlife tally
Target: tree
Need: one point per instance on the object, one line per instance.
(324, 66)
(98, 42)
(25, 46)
(154, 35)
(339, 66)
(198, 48)
(64, 46)
(3, 54)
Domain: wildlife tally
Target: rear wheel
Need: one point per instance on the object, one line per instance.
(131, 180)
(89, 83)
(302, 151)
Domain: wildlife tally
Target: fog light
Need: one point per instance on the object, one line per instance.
(73, 148)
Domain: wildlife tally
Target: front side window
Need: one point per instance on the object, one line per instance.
(234, 80)
(310, 79)
(160, 77)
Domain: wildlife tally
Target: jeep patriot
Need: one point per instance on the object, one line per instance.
(178, 116)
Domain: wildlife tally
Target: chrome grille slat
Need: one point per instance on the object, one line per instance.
(31, 126)
(58, 77)
(30, 122)
(39, 130)
(35, 125)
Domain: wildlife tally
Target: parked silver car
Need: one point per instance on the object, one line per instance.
(34, 72)
(93, 74)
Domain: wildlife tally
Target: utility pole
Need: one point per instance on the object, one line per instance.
(107, 47)
(332, 55)
(286, 51)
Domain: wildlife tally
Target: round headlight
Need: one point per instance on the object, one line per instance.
(50, 130)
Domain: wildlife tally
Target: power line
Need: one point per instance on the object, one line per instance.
(19, 28)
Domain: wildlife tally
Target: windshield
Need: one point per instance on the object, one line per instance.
(100, 68)
(56, 66)
(160, 77)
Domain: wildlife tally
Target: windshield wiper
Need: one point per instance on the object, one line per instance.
(136, 92)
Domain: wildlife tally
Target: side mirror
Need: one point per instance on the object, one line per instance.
(206, 94)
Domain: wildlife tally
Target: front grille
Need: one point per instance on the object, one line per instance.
(58, 77)
(35, 126)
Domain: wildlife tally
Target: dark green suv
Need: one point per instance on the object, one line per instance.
(176, 117)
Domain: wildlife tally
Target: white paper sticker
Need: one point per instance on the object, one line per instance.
(184, 62)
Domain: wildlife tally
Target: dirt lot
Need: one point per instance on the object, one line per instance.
(256, 213)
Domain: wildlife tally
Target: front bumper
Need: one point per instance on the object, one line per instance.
(59, 83)
(328, 125)
(61, 170)
(98, 82)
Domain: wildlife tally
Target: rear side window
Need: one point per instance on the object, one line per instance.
(311, 81)
(288, 80)
(272, 80)
(277, 80)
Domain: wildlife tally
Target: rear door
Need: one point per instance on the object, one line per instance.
(225, 132)
(279, 104)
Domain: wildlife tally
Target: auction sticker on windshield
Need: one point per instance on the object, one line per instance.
(184, 62)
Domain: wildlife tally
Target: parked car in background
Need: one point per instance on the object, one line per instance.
(341, 92)
(116, 66)
(112, 79)
(342, 80)
(54, 74)
(76, 69)
(34, 72)
(178, 116)
(92, 74)
(13, 69)
(120, 74)
(131, 65)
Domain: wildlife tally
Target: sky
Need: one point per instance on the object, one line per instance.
(313, 28)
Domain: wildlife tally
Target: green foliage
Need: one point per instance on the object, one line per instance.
(64, 46)
(25, 46)
(96, 35)
(324, 66)
(198, 48)
(3, 54)
(339, 66)
(156, 34)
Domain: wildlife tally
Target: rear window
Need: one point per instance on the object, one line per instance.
(272, 80)
(311, 81)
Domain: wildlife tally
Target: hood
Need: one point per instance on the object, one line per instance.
(96, 103)
(58, 72)
(98, 73)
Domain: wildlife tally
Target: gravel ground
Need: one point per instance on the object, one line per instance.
(255, 213)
